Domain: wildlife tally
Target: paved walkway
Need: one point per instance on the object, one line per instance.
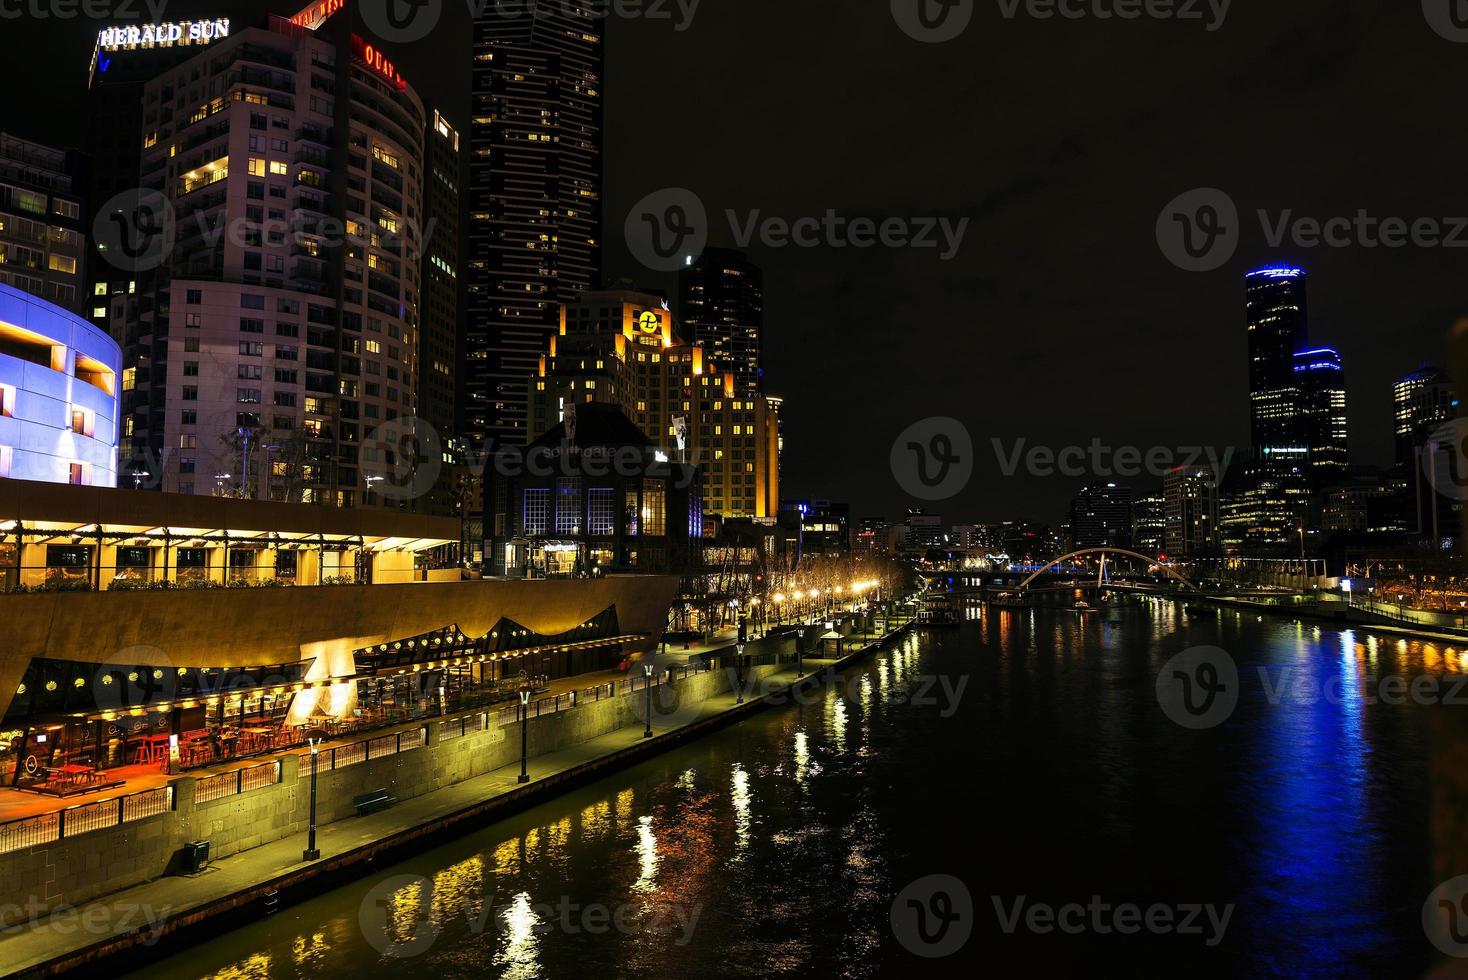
(172, 897)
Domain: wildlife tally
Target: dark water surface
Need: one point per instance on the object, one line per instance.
(777, 846)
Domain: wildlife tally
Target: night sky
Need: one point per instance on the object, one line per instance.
(1060, 320)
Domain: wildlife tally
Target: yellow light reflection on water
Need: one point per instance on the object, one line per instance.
(740, 797)
(520, 953)
(647, 853)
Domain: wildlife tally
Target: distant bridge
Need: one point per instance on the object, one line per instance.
(1103, 552)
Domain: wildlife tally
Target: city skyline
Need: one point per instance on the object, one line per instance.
(820, 303)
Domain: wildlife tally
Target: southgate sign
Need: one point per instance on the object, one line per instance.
(163, 35)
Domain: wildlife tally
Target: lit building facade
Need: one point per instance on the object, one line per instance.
(282, 328)
(1278, 328)
(42, 244)
(58, 394)
(1320, 382)
(721, 301)
(438, 353)
(535, 207)
(595, 496)
(624, 348)
(1422, 403)
(1101, 515)
(1149, 524)
(1190, 499)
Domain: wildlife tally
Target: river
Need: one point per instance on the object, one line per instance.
(1024, 754)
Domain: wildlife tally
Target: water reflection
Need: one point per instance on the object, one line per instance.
(776, 846)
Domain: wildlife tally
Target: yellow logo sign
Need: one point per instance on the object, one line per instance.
(648, 322)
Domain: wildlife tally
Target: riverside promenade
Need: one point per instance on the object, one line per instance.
(126, 928)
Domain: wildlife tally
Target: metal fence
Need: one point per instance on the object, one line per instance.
(235, 782)
(341, 756)
(48, 828)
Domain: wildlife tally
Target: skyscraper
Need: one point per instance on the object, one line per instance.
(722, 301)
(438, 353)
(1101, 515)
(1277, 318)
(535, 191)
(1149, 524)
(284, 320)
(1320, 379)
(1190, 500)
(42, 242)
(1422, 402)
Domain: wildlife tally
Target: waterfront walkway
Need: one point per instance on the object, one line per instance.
(243, 878)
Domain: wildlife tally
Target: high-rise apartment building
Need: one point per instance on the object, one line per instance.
(1149, 524)
(282, 326)
(1101, 515)
(721, 296)
(1190, 499)
(1320, 382)
(535, 198)
(1422, 403)
(1277, 321)
(624, 347)
(42, 241)
(439, 335)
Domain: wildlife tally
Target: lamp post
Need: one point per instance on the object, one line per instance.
(244, 432)
(739, 673)
(524, 737)
(647, 685)
(311, 853)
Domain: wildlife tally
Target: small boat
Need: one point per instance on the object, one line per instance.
(1194, 609)
(939, 610)
(1083, 607)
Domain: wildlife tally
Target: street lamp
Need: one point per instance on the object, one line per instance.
(244, 432)
(524, 737)
(311, 853)
(370, 480)
(647, 684)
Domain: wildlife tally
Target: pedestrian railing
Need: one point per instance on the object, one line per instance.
(235, 782)
(601, 692)
(351, 753)
(83, 818)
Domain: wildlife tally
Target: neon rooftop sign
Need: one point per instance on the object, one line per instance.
(1283, 272)
(182, 32)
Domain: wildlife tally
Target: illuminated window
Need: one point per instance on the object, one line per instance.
(257, 167)
(279, 167)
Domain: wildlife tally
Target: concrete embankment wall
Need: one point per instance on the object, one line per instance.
(80, 868)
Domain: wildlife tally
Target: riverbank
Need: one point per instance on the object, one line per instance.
(132, 926)
(1336, 613)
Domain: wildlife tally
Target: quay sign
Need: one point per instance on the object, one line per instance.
(374, 59)
(163, 35)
